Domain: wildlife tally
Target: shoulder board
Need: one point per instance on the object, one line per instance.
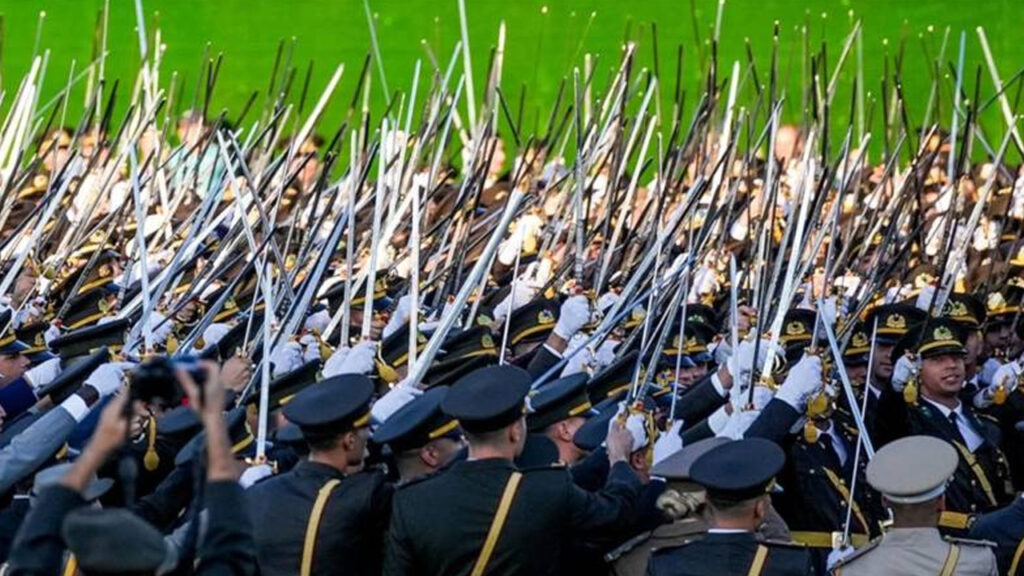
(857, 554)
(667, 549)
(969, 542)
(783, 544)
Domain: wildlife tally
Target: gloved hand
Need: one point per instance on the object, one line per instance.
(581, 361)
(213, 333)
(803, 380)
(399, 317)
(988, 371)
(669, 442)
(738, 423)
(51, 333)
(836, 555)
(108, 378)
(607, 300)
(361, 359)
(742, 363)
(286, 357)
(399, 395)
(573, 316)
(333, 365)
(44, 373)
(1007, 375)
(159, 328)
(254, 474)
(310, 348)
(519, 295)
(317, 321)
(984, 397)
(902, 372)
(605, 354)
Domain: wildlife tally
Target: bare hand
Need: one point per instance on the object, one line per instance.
(213, 391)
(236, 373)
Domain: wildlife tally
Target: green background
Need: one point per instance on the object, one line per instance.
(540, 47)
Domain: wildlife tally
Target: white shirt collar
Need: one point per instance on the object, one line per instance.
(945, 410)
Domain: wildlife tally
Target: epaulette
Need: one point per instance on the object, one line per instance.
(970, 542)
(783, 544)
(545, 467)
(668, 549)
(988, 417)
(871, 545)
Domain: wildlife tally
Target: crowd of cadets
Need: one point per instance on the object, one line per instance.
(117, 461)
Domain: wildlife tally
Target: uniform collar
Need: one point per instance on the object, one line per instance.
(310, 468)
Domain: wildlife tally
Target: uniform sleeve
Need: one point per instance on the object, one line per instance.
(599, 513)
(542, 361)
(891, 419)
(228, 548)
(38, 549)
(379, 512)
(592, 472)
(163, 507)
(34, 446)
(699, 402)
(398, 558)
(774, 422)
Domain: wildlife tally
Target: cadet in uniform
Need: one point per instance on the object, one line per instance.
(325, 513)
(483, 515)
(422, 439)
(737, 476)
(912, 473)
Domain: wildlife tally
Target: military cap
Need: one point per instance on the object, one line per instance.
(964, 309)
(1001, 307)
(859, 347)
(335, 294)
(75, 372)
(797, 328)
(613, 379)
(88, 308)
(102, 272)
(489, 398)
(393, 352)
(913, 469)
(291, 435)
(181, 422)
(239, 434)
(920, 276)
(592, 434)
(332, 407)
(9, 342)
(34, 336)
(462, 344)
(677, 466)
(697, 313)
(894, 320)
(739, 470)
(559, 400)
(692, 343)
(417, 423)
(447, 373)
(533, 322)
(284, 388)
(938, 337)
(52, 475)
(92, 534)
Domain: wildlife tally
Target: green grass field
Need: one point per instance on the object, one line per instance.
(545, 38)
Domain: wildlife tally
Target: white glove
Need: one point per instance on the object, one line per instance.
(605, 353)
(988, 371)
(360, 360)
(51, 333)
(400, 395)
(574, 315)
(718, 420)
(742, 362)
(108, 378)
(254, 474)
(317, 321)
(984, 397)
(738, 423)
(333, 365)
(518, 296)
(214, 333)
(1007, 375)
(158, 328)
(310, 348)
(803, 380)
(286, 357)
(902, 372)
(607, 300)
(399, 317)
(836, 555)
(44, 373)
(669, 442)
(579, 362)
